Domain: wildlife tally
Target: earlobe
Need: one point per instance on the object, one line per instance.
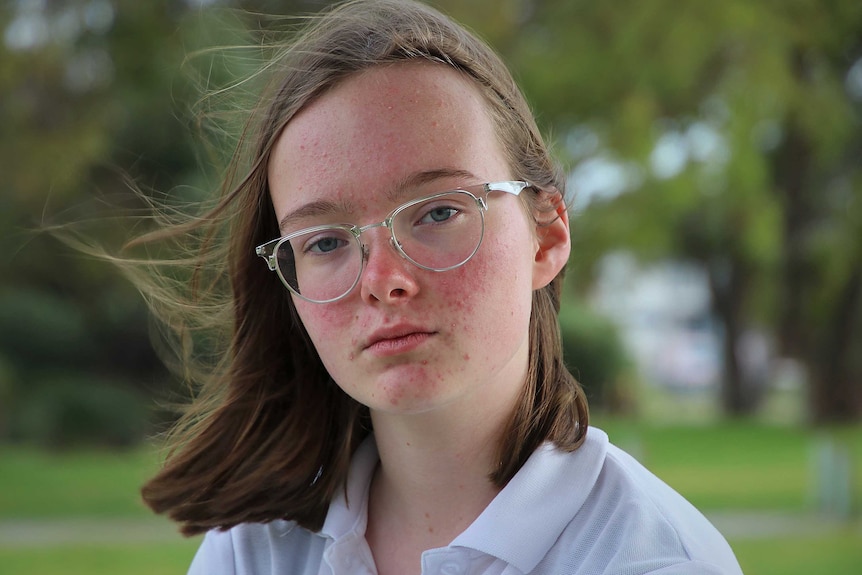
(553, 245)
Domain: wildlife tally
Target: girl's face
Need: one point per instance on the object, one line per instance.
(408, 340)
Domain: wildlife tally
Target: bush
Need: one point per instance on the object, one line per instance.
(595, 354)
(78, 410)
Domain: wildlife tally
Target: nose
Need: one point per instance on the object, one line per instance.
(388, 276)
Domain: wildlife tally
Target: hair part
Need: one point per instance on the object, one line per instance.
(270, 436)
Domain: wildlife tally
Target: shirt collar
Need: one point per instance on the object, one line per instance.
(540, 500)
(348, 511)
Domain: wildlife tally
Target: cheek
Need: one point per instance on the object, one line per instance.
(462, 293)
(321, 322)
(487, 293)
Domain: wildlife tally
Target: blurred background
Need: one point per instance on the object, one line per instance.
(714, 295)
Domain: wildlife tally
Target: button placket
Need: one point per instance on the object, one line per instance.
(452, 567)
(446, 563)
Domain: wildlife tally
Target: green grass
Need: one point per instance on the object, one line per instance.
(131, 559)
(836, 554)
(37, 484)
(725, 466)
(740, 465)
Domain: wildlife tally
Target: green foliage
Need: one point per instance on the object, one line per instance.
(66, 411)
(74, 373)
(93, 99)
(769, 80)
(766, 210)
(595, 355)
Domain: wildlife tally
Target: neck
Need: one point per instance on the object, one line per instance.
(436, 462)
(434, 475)
(433, 479)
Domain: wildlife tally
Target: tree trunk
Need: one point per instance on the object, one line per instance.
(791, 169)
(729, 282)
(836, 393)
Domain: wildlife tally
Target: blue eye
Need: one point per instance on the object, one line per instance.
(326, 245)
(438, 215)
(325, 242)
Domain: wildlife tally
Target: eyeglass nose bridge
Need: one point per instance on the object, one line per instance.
(387, 223)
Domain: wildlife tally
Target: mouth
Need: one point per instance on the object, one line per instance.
(395, 341)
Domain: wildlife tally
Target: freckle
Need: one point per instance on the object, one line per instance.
(430, 530)
(427, 516)
(408, 444)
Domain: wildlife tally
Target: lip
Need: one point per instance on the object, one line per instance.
(396, 340)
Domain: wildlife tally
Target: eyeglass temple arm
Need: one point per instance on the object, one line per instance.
(514, 187)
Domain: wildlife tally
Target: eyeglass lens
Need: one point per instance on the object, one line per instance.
(439, 233)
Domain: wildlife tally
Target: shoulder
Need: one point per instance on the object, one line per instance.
(631, 521)
(259, 548)
(595, 510)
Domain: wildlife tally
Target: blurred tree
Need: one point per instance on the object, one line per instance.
(100, 97)
(724, 133)
(90, 90)
(595, 354)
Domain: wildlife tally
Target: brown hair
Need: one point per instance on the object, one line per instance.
(270, 435)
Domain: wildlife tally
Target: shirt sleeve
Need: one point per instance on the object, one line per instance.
(215, 556)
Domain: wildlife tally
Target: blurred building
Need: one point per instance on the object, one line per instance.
(663, 313)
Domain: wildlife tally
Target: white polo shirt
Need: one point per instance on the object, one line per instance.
(594, 511)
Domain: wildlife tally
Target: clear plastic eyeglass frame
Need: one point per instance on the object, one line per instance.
(268, 250)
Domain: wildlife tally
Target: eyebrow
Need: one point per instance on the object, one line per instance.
(313, 209)
(417, 179)
(397, 194)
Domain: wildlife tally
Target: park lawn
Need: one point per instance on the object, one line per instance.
(38, 484)
(128, 559)
(833, 553)
(739, 465)
(720, 467)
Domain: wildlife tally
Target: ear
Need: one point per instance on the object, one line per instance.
(553, 245)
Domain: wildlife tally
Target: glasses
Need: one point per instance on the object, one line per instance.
(440, 232)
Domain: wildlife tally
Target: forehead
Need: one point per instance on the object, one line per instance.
(380, 127)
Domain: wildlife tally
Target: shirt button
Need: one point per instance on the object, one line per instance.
(451, 568)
